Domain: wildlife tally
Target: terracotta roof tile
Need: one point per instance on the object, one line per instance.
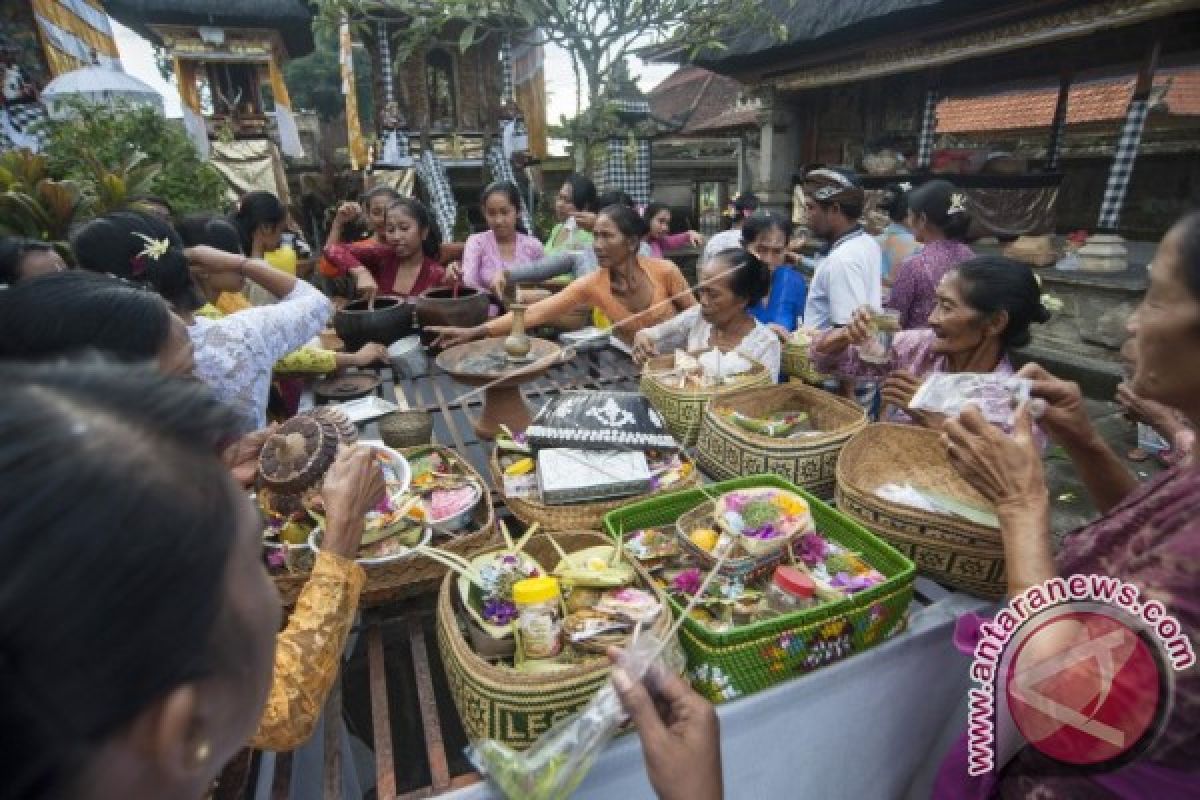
(698, 99)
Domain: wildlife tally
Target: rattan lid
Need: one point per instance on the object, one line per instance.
(297, 455)
(347, 431)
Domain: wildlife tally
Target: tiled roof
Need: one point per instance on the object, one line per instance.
(1089, 102)
(699, 100)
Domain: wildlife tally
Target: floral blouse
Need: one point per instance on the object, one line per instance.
(482, 261)
(914, 282)
(306, 360)
(308, 653)
(690, 331)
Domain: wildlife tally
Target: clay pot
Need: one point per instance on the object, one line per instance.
(391, 319)
(439, 307)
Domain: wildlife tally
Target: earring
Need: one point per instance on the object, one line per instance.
(203, 751)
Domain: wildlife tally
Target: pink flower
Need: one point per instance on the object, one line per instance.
(813, 549)
(687, 582)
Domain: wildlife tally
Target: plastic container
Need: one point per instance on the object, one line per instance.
(539, 617)
(790, 590)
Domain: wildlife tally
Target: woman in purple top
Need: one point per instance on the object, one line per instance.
(985, 307)
(505, 244)
(659, 238)
(1149, 536)
(940, 222)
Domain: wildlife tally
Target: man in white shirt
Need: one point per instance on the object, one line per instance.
(743, 206)
(850, 275)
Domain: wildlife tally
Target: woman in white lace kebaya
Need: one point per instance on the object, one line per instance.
(730, 283)
(233, 355)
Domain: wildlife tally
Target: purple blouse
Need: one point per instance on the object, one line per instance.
(914, 282)
(482, 261)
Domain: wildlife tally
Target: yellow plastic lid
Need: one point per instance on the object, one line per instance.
(535, 590)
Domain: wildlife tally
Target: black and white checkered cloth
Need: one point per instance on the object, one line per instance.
(385, 64)
(1121, 171)
(928, 130)
(628, 174)
(1058, 127)
(506, 65)
(20, 126)
(433, 177)
(627, 106)
(502, 170)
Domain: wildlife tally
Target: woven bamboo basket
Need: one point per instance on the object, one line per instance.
(418, 575)
(951, 550)
(728, 451)
(796, 363)
(495, 701)
(573, 516)
(750, 658)
(683, 409)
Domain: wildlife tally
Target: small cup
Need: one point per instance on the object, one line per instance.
(408, 357)
(885, 325)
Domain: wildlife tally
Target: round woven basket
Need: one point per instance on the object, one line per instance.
(498, 702)
(575, 516)
(796, 363)
(727, 451)
(950, 549)
(683, 409)
(401, 429)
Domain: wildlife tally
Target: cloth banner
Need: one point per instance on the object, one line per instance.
(928, 130)
(75, 33)
(1121, 171)
(289, 135)
(628, 168)
(436, 183)
(1003, 212)
(354, 138)
(502, 170)
(189, 99)
(506, 69)
(402, 181)
(528, 72)
(250, 165)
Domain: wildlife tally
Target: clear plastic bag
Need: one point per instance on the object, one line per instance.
(561, 757)
(996, 396)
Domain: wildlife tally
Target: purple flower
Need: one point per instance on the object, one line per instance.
(276, 558)
(735, 502)
(855, 583)
(686, 582)
(813, 549)
(499, 612)
(767, 531)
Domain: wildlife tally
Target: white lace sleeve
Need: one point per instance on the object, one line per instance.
(675, 332)
(762, 345)
(235, 355)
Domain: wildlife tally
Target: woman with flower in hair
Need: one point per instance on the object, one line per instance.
(940, 222)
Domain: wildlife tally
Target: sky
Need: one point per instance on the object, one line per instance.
(138, 59)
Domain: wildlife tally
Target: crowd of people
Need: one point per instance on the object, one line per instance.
(141, 642)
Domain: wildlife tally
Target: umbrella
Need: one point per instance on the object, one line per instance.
(100, 86)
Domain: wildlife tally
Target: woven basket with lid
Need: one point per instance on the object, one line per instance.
(683, 409)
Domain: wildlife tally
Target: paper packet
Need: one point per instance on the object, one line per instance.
(996, 396)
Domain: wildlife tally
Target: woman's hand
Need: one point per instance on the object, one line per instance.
(1150, 412)
(1064, 418)
(696, 238)
(353, 486)
(586, 219)
(1007, 470)
(365, 285)
(500, 283)
(368, 354)
(454, 272)
(206, 260)
(861, 329)
(898, 390)
(347, 213)
(644, 348)
(449, 337)
(781, 332)
(241, 457)
(680, 733)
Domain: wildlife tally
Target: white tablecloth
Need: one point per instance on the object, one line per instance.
(862, 728)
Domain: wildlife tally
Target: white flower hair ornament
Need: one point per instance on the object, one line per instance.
(958, 204)
(906, 187)
(153, 251)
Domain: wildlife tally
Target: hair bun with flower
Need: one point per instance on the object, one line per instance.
(958, 204)
(153, 251)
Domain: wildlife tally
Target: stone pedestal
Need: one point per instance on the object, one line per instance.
(779, 154)
(1104, 252)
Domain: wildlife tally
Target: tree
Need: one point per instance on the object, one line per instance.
(315, 81)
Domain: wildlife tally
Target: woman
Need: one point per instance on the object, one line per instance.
(896, 241)
(234, 355)
(504, 245)
(177, 630)
(766, 235)
(984, 309)
(1148, 534)
(731, 284)
(21, 259)
(940, 221)
(658, 231)
(742, 207)
(633, 291)
(347, 276)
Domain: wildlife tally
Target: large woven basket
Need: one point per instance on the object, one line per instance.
(951, 550)
(795, 362)
(572, 516)
(749, 658)
(417, 575)
(683, 409)
(495, 701)
(729, 451)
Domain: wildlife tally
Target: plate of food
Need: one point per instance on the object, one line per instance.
(449, 496)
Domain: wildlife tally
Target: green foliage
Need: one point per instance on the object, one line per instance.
(34, 205)
(315, 81)
(151, 154)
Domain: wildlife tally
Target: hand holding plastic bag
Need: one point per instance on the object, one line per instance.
(996, 396)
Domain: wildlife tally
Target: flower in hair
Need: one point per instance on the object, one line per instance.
(154, 249)
(958, 203)
(1051, 303)
(906, 187)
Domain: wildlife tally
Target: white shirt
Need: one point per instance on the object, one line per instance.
(849, 277)
(725, 240)
(690, 331)
(235, 354)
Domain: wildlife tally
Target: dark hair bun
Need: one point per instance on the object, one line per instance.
(751, 279)
(993, 283)
(944, 207)
(141, 248)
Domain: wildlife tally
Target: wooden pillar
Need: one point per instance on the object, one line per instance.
(1059, 126)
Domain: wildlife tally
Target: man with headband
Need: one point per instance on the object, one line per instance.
(850, 275)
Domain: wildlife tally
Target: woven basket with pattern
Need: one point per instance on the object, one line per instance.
(950, 549)
(727, 450)
(750, 658)
(495, 701)
(417, 575)
(796, 363)
(683, 409)
(572, 516)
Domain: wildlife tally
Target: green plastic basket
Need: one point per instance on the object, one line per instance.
(750, 658)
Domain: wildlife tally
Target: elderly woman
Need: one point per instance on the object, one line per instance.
(732, 283)
(633, 291)
(984, 309)
(1148, 534)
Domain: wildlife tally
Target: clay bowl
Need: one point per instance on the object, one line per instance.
(458, 362)
(439, 307)
(391, 319)
(345, 387)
